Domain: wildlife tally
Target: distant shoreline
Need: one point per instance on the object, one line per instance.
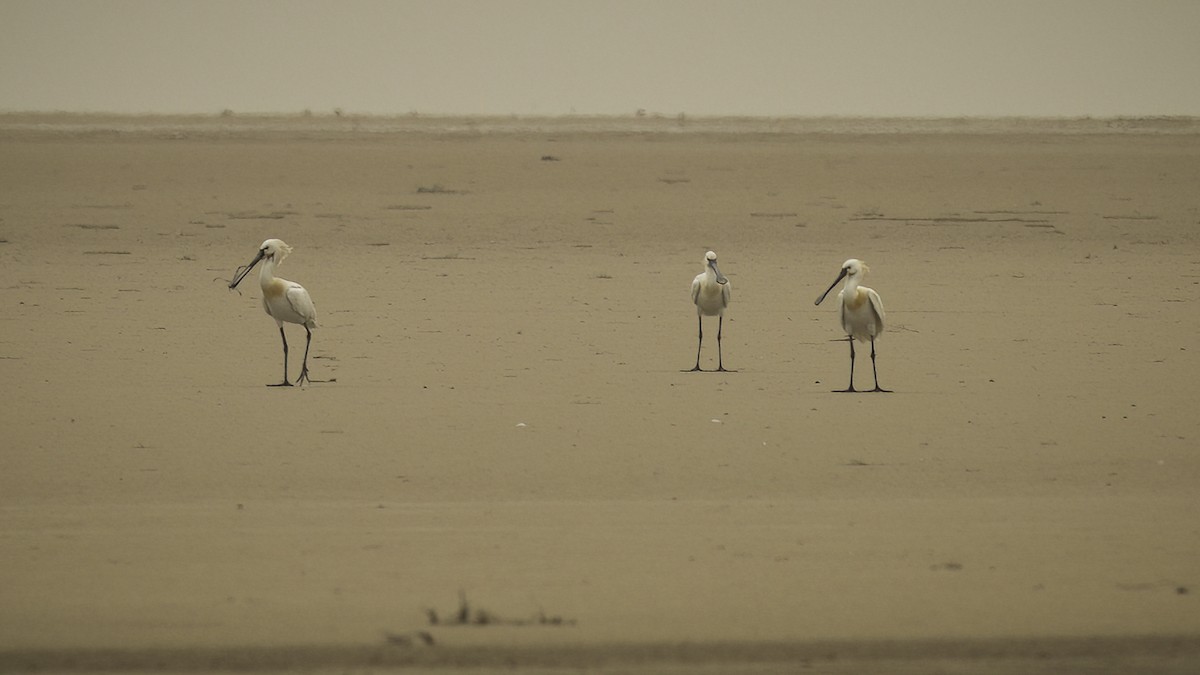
(316, 126)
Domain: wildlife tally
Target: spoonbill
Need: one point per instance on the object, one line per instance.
(283, 300)
(861, 313)
(710, 292)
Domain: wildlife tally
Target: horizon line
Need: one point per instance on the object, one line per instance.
(338, 113)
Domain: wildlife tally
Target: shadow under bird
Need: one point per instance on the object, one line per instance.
(710, 292)
(861, 313)
(283, 300)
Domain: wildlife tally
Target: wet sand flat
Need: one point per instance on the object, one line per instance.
(504, 310)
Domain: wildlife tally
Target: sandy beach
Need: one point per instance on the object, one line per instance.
(504, 324)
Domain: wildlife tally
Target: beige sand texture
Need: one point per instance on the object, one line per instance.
(503, 306)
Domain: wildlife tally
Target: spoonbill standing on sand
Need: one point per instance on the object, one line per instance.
(710, 292)
(861, 312)
(282, 299)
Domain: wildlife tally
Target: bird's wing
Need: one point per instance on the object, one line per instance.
(726, 292)
(696, 288)
(877, 307)
(302, 304)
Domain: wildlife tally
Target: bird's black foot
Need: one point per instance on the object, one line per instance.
(722, 369)
(304, 377)
(848, 390)
(285, 383)
(882, 390)
(697, 369)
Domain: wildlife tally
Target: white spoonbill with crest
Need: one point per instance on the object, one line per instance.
(861, 313)
(283, 300)
(710, 293)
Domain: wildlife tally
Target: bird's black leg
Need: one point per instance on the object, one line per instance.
(699, 341)
(873, 372)
(304, 368)
(720, 322)
(285, 382)
(851, 388)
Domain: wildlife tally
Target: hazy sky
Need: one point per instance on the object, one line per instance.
(550, 57)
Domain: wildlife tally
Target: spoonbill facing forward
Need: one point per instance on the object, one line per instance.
(282, 299)
(710, 292)
(861, 312)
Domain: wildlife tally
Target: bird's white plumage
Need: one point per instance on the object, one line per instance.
(711, 291)
(283, 300)
(302, 305)
(861, 309)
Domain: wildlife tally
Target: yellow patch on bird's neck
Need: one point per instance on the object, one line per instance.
(856, 301)
(275, 288)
